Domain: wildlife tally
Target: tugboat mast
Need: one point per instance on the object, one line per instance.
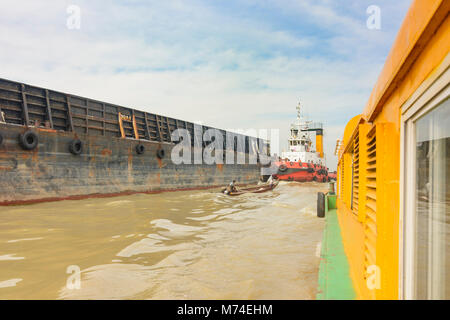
(299, 116)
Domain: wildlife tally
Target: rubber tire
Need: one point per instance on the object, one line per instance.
(140, 149)
(315, 179)
(76, 147)
(160, 153)
(24, 140)
(282, 168)
(320, 204)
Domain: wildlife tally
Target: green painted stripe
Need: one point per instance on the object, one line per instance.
(334, 271)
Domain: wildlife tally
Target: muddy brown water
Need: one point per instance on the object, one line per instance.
(177, 245)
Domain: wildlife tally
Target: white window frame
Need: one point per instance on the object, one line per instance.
(430, 94)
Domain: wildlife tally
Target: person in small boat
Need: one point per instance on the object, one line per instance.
(231, 187)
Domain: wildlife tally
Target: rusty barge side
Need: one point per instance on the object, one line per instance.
(109, 162)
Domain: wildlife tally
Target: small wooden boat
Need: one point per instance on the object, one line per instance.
(257, 189)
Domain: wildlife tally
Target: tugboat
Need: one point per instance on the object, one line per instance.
(302, 163)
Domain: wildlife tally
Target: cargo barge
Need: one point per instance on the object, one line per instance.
(57, 146)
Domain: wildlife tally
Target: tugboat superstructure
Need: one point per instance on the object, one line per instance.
(300, 143)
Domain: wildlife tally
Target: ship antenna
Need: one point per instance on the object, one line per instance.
(298, 111)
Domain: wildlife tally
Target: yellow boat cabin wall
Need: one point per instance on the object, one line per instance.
(372, 155)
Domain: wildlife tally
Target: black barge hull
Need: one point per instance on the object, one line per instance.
(109, 163)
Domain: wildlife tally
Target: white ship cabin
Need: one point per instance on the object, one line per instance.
(300, 144)
(300, 149)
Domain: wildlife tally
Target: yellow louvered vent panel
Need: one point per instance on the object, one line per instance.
(355, 199)
(370, 225)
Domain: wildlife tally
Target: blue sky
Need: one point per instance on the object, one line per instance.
(229, 64)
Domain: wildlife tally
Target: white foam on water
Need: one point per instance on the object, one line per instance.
(9, 283)
(25, 239)
(10, 257)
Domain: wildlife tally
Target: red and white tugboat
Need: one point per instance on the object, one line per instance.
(301, 162)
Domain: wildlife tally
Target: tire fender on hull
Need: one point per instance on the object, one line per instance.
(76, 147)
(320, 204)
(140, 149)
(160, 153)
(28, 140)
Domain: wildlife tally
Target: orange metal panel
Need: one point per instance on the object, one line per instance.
(319, 144)
(423, 19)
(136, 134)
(122, 132)
(353, 239)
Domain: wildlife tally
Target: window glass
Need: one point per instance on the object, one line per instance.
(432, 249)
